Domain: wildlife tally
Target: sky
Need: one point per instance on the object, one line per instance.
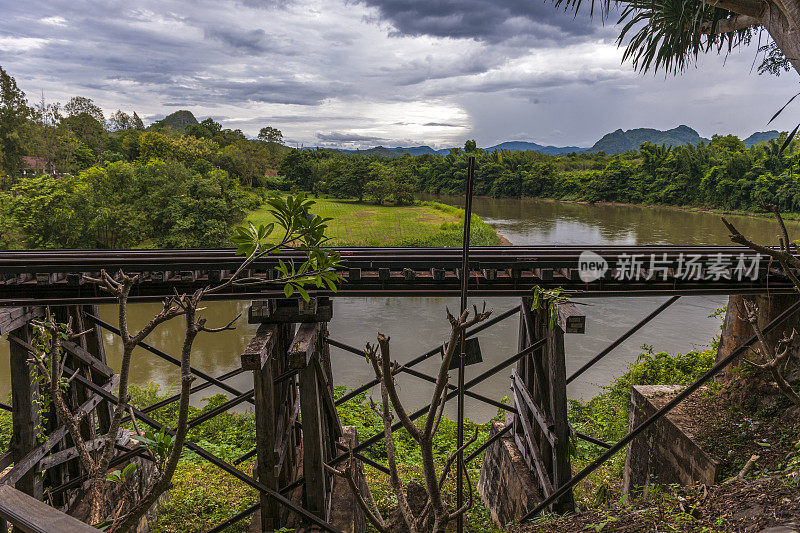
(359, 73)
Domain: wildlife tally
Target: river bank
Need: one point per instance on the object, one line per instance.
(426, 223)
(683, 208)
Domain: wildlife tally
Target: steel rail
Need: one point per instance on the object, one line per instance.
(93, 260)
(713, 371)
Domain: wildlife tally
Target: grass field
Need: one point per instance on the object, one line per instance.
(423, 224)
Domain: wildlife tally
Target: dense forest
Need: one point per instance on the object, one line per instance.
(723, 173)
(72, 177)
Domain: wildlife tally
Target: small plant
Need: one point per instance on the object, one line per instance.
(120, 476)
(548, 300)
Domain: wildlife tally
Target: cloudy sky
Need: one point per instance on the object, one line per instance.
(366, 72)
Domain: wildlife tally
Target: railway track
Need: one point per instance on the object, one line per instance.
(37, 277)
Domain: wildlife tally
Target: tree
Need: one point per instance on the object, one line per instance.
(436, 514)
(137, 122)
(119, 121)
(14, 112)
(669, 34)
(78, 105)
(470, 146)
(270, 134)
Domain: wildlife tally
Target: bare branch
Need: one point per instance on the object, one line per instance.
(228, 326)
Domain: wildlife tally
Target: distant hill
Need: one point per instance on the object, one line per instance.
(761, 137)
(621, 141)
(178, 121)
(525, 145)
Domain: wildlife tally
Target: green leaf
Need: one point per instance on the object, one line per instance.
(303, 293)
(288, 290)
(128, 470)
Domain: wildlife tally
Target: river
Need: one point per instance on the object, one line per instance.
(418, 324)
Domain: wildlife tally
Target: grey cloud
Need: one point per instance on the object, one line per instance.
(443, 125)
(342, 137)
(493, 21)
(252, 42)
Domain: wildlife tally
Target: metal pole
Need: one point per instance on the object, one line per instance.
(464, 284)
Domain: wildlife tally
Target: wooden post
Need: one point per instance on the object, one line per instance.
(258, 358)
(25, 410)
(562, 469)
(541, 381)
(303, 355)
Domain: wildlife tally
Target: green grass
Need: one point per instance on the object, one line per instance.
(423, 224)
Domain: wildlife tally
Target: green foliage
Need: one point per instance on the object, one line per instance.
(793, 465)
(606, 415)
(120, 476)
(14, 112)
(5, 427)
(159, 442)
(301, 230)
(548, 300)
(723, 173)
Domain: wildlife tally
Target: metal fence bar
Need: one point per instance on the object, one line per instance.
(661, 412)
(622, 338)
(163, 355)
(220, 409)
(198, 388)
(593, 440)
(488, 442)
(234, 519)
(474, 381)
(426, 377)
(474, 331)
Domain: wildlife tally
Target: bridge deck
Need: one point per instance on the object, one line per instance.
(54, 276)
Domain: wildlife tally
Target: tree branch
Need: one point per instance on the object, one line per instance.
(753, 8)
(729, 25)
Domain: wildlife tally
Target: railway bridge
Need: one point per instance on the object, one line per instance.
(298, 431)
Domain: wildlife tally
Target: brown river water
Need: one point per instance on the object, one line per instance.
(419, 324)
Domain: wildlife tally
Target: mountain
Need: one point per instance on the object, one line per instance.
(761, 137)
(177, 121)
(621, 141)
(525, 145)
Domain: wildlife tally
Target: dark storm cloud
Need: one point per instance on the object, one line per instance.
(342, 137)
(178, 50)
(252, 42)
(492, 21)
